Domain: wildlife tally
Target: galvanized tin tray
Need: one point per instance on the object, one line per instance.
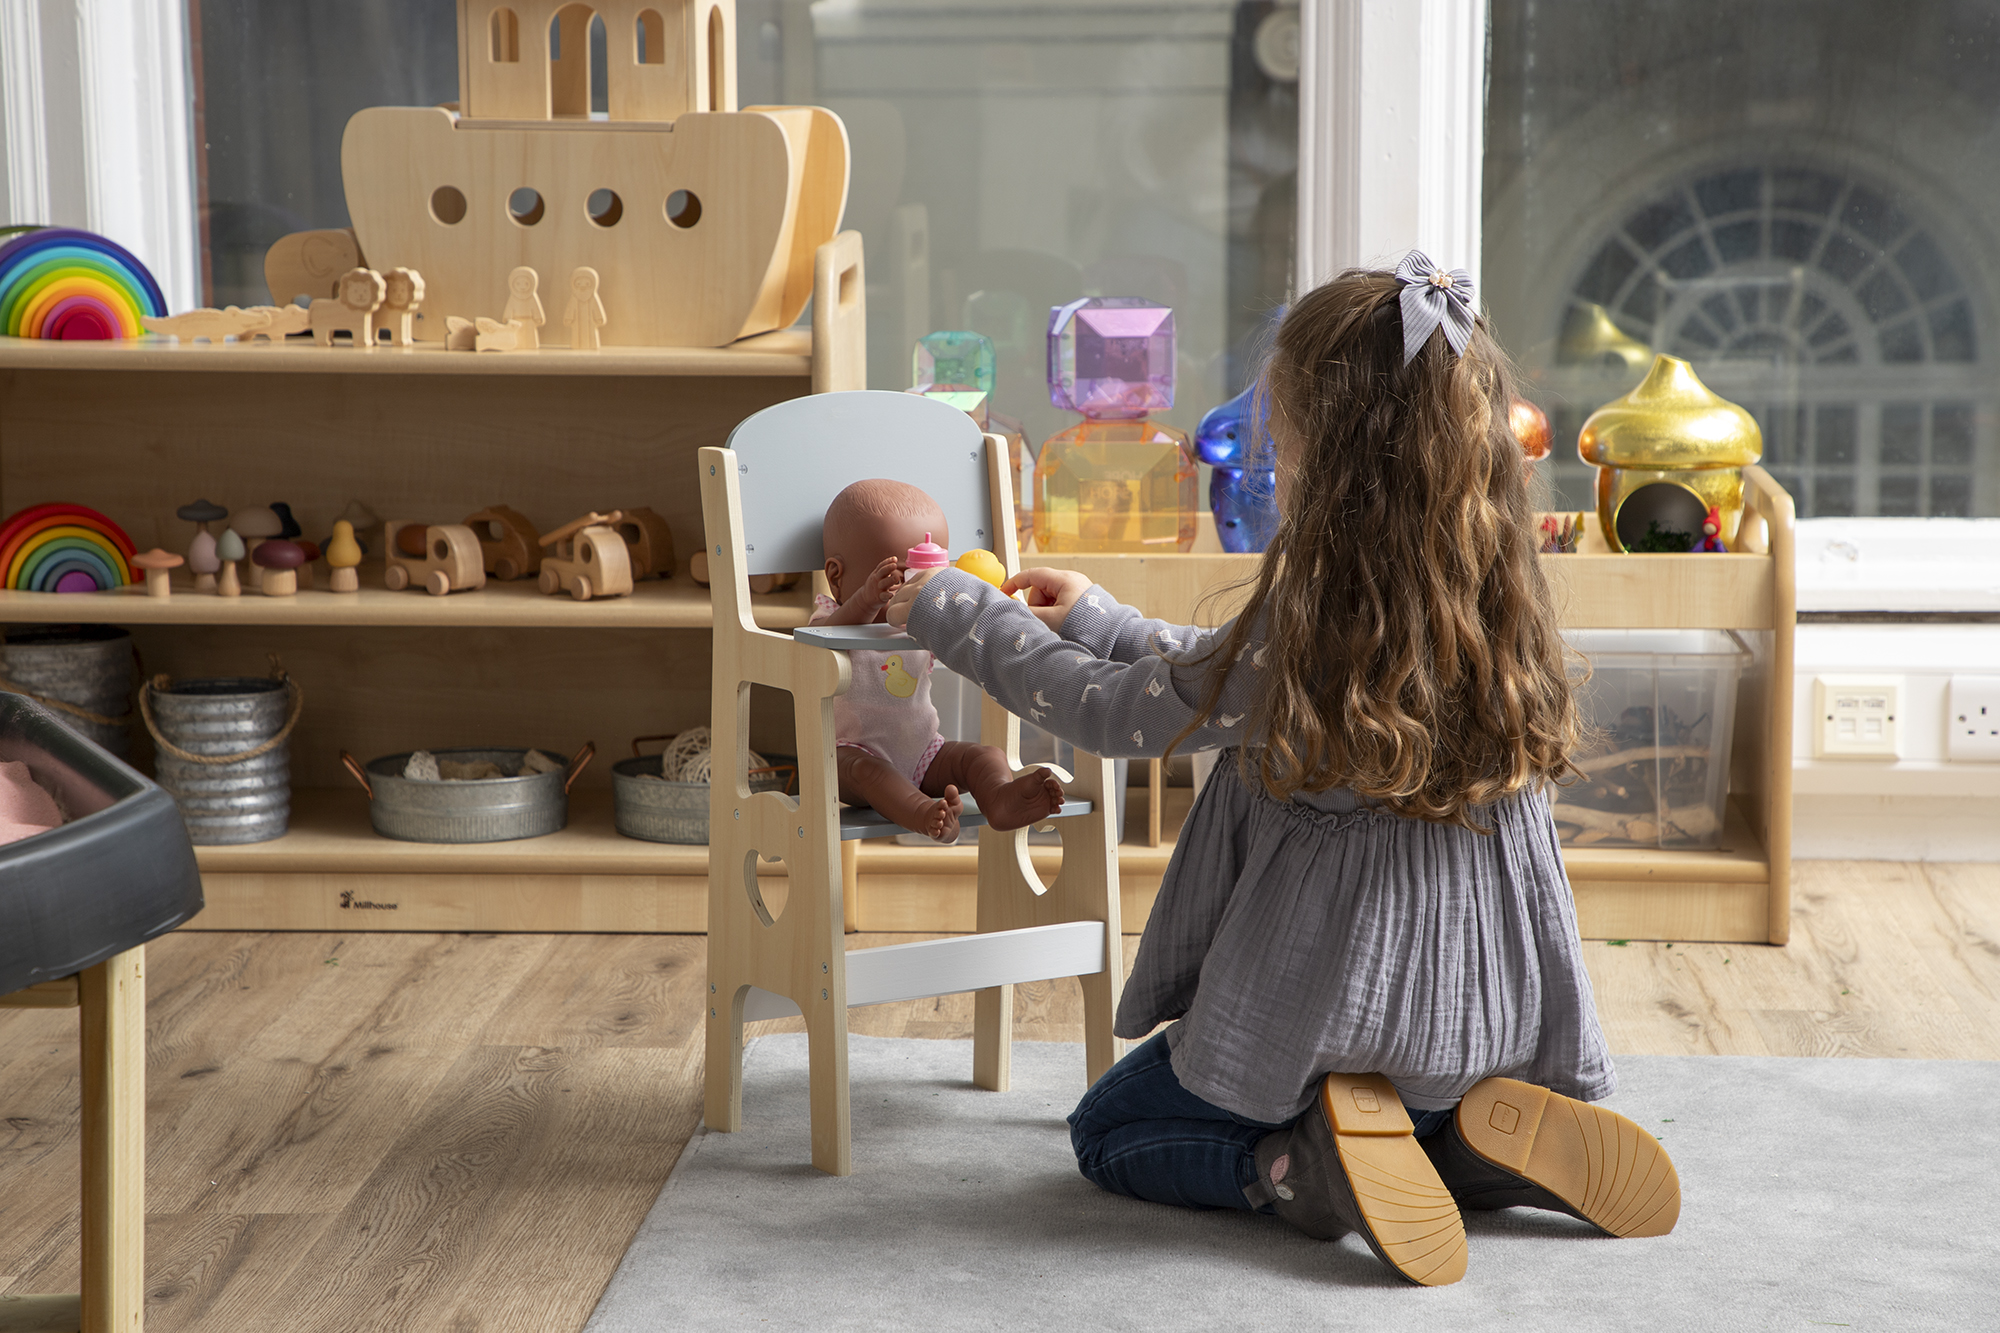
(656, 811)
(489, 810)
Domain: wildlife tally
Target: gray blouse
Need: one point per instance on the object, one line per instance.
(1298, 938)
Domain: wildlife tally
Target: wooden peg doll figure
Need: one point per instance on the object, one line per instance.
(524, 307)
(586, 312)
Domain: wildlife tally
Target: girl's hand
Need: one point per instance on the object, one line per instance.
(1051, 592)
(906, 597)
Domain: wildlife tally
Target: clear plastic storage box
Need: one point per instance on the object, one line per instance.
(1661, 707)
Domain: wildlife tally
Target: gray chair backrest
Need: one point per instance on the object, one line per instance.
(793, 457)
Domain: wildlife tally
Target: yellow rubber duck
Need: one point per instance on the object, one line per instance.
(901, 683)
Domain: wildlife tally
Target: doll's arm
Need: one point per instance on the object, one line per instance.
(869, 599)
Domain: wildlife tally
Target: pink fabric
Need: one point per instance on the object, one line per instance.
(25, 809)
(887, 711)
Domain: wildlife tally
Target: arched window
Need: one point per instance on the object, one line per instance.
(1821, 304)
(506, 37)
(652, 38)
(576, 61)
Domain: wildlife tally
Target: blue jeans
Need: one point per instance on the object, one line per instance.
(1139, 1132)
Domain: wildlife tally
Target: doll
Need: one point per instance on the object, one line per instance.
(524, 307)
(1711, 532)
(585, 315)
(888, 752)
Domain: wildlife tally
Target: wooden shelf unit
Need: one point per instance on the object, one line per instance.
(137, 429)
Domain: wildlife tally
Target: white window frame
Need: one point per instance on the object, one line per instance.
(96, 132)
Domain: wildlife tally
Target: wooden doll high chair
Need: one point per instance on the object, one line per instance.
(763, 499)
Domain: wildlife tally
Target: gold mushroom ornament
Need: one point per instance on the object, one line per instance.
(1667, 453)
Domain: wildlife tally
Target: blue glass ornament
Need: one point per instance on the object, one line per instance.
(1223, 437)
(1245, 501)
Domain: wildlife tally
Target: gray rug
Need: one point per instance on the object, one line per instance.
(1857, 1194)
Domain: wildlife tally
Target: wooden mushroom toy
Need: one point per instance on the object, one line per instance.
(201, 551)
(158, 564)
(280, 560)
(257, 525)
(343, 553)
(306, 570)
(229, 549)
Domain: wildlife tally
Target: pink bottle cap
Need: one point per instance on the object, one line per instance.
(928, 555)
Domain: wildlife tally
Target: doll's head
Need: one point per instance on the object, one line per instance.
(871, 521)
(523, 281)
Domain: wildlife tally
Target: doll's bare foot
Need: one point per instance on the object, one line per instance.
(1028, 799)
(937, 817)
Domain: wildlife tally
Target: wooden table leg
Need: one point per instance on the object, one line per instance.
(114, 1144)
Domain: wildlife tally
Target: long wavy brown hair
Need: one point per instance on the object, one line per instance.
(1412, 652)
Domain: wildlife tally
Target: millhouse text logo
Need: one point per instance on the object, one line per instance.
(347, 900)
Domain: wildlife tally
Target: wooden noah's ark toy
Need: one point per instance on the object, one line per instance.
(702, 219)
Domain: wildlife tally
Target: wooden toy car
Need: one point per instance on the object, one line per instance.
(587, 558)
(507, 543)
(443, 557)
(650, 541)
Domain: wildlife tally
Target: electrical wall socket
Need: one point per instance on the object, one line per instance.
(1972, 719)
(1854, 717)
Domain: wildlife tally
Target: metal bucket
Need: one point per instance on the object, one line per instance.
(87, 667)
(653, 810)
(247, 796)
(487, 810)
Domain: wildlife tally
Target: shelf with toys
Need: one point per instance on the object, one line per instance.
(677, 603)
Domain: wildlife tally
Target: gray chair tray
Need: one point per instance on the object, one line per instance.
(848, 638)
(118, 874)
(858, 821)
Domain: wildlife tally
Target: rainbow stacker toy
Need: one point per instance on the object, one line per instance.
(61, 283)
(64, 548)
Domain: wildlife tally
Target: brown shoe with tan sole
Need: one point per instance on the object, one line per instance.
(1351, 1163)
(1512, 1144)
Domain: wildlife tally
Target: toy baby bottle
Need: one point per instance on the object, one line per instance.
(926, 554)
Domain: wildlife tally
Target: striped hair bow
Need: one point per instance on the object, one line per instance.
(1434, 298)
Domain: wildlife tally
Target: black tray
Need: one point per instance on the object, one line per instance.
(119, 873)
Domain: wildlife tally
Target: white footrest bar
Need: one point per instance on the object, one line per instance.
(946, 967)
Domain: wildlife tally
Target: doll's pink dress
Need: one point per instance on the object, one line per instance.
(887, 711)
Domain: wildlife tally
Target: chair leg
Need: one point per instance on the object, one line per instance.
(113, 996)
(832, 1124)
(1100, 1003)
(993, 1038)
(722, 1079)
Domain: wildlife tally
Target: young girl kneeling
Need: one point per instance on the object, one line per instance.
(1365, 944)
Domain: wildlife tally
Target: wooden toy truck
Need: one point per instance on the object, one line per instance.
(587, 558)
(507, 542)
(447, 560)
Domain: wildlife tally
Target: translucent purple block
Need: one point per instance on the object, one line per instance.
(1111, 357)
(956, 359)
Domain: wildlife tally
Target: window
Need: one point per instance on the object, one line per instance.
(1698, 182)
(506, 48)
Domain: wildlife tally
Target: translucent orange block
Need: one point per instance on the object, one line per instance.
(1125, 487)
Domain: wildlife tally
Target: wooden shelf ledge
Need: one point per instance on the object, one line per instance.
(785, 353)
(676, 603)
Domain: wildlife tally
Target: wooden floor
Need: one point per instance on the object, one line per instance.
(458, 1132)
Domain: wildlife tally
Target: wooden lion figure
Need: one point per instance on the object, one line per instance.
(404, 292)
(352, 311)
